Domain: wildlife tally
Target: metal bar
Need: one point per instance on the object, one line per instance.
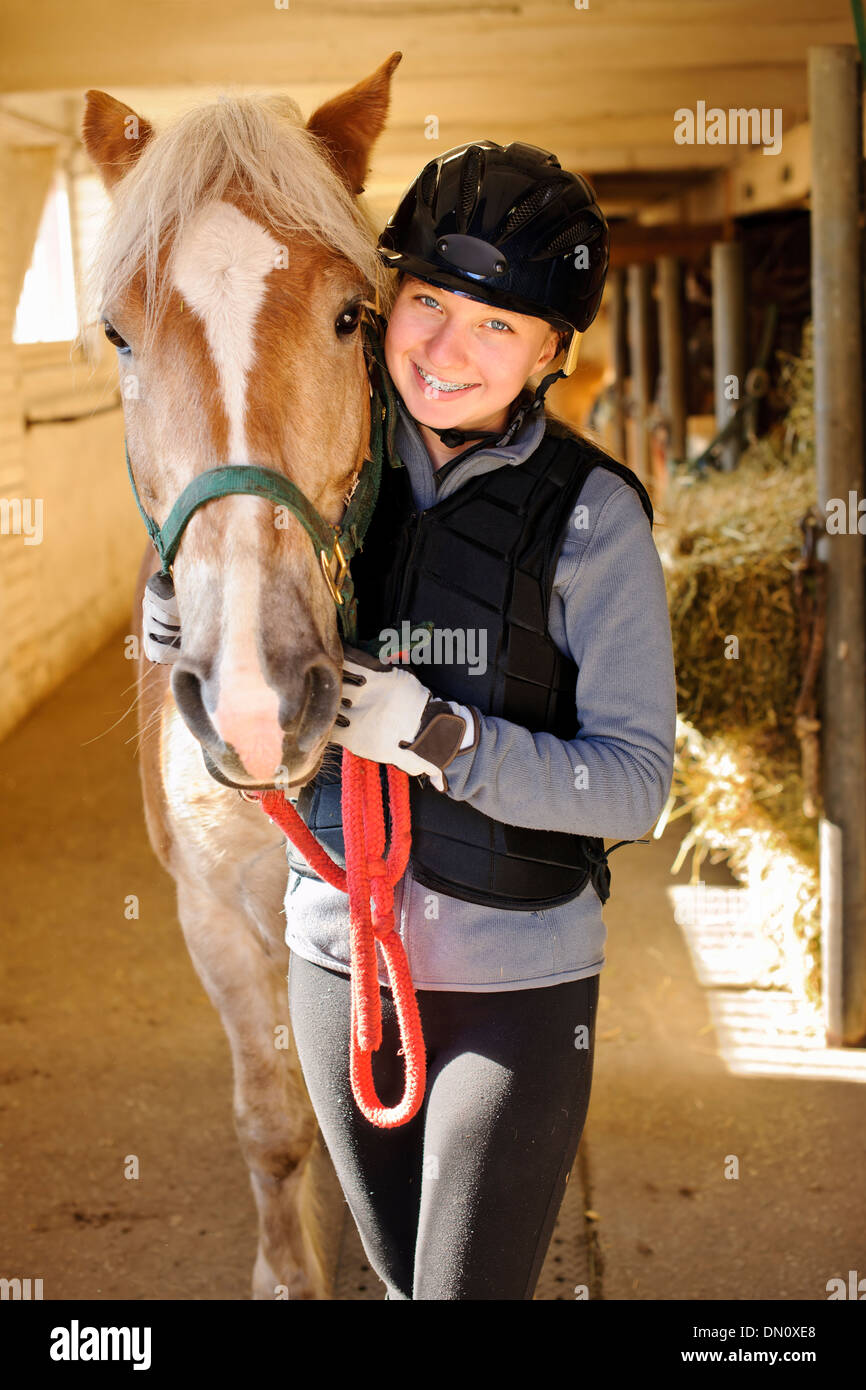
(729, 342)
(669, 273)
(835, 83)
(615, 291)
(639, 308)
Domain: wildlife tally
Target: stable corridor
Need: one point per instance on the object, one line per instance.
(111, 1047)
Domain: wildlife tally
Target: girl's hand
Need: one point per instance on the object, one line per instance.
(388, 716)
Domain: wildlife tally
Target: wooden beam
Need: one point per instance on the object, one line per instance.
(201, 41)
(835, 83)
(632, 244)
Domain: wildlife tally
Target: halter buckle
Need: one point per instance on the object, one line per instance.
(336, 584)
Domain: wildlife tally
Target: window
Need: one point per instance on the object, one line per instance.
(47, 311)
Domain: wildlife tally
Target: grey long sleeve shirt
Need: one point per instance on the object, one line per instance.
(608, 611)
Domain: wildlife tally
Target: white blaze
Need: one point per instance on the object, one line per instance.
(219, 269)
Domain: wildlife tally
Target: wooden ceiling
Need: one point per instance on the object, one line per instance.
(599, 85)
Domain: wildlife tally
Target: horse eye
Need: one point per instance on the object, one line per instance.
(114, 337)
(347, 321)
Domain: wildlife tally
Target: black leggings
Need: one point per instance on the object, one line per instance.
(461, 1202)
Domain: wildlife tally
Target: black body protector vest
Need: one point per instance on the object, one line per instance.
(480, 561)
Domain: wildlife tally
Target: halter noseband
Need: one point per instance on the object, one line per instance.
(339, 542)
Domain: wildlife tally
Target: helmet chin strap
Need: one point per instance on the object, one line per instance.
(453, 438)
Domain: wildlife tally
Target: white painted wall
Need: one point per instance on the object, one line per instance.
(63, 598)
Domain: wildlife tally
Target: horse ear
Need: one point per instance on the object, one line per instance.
(350, 124)
(114, 136)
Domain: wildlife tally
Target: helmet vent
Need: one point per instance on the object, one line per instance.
(428, 183)
(525, 208)
(584, 230)
(470, 183)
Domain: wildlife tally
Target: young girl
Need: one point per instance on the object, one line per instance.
(542, 721)
(539, 717)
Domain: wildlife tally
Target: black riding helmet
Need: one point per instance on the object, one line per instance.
(509, 227)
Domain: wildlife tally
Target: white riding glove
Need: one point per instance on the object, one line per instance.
(388, 716)
(160, 620)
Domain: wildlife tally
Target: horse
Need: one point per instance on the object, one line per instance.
(229, 275)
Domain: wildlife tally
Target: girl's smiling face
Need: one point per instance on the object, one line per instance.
(438, 340)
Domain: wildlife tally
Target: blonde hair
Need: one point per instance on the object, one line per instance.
(258, 145)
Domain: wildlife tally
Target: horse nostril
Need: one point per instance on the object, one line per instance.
(299, 719)
(323, 687)
(186, 689)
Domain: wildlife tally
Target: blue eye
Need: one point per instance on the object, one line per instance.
(501, 322)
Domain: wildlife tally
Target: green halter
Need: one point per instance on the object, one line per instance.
(339, 542)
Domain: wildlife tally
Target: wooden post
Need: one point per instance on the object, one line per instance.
(639, 307)
(835, 81)
(673, 370)
(729, 341)
(615, 290)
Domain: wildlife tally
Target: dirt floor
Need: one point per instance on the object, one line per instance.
(111, 1051)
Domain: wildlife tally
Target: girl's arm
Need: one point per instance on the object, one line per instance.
(609, 609)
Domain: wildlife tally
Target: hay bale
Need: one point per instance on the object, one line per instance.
(744, 807)
(728, 548)
(728, 544)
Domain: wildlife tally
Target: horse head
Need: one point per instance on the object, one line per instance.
(230, 278)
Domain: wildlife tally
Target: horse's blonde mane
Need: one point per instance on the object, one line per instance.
(257, 145)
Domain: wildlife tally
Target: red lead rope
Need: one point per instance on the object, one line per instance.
(369, 879)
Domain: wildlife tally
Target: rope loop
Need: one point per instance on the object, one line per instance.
(369, 879)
